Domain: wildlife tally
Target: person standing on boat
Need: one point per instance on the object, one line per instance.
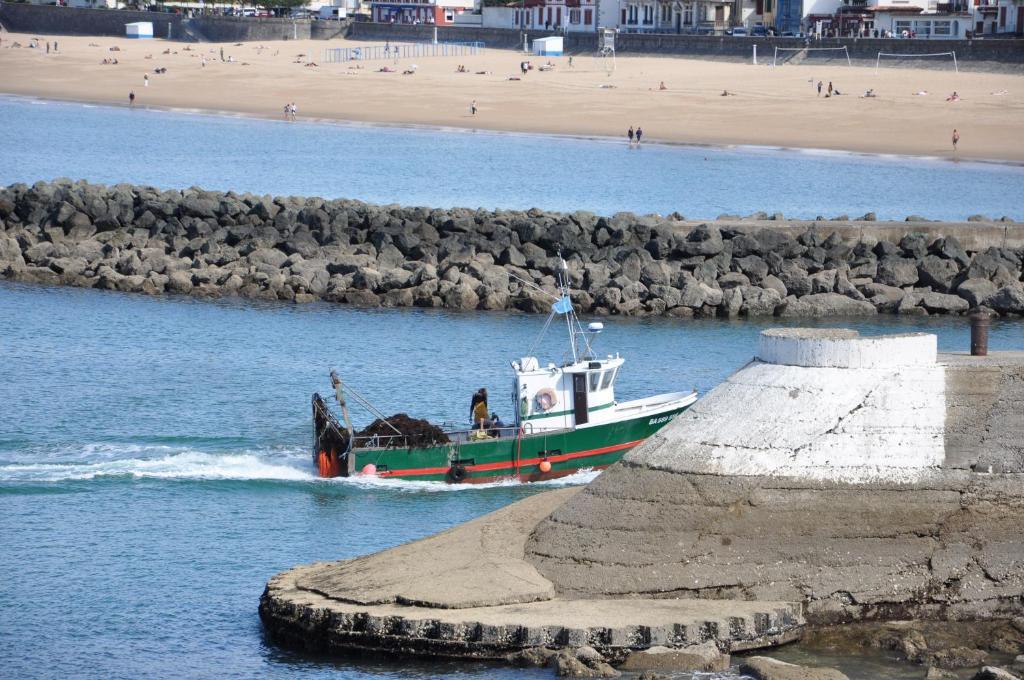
(478, 408)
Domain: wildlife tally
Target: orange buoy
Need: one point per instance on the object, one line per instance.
(369, 469)
(545, 466)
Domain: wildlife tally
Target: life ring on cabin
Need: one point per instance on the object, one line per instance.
(546, 399)
(457, 473)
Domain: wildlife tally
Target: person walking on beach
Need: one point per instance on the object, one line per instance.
(829, 89)
(956, 139)
(47, 48)
(292, 110)
(819, 88)
(570, 61)
(204, 61)
(639, 134)
(54, 45)
(630, 135)
(472, 107)
(222, 54)
(287, 110)
(131, 99)
(145, 80)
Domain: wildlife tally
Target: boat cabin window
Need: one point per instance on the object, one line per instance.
(595, 380)
(609, 376)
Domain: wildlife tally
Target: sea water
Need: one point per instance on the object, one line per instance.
(444, 168)
(155, 467)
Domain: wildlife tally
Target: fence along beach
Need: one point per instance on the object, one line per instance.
(256, 78)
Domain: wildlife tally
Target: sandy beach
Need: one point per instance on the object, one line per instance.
(767, 106)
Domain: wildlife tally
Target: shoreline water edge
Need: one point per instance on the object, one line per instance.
(872, 154)
(212, 244)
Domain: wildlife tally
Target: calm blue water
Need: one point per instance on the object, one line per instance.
(484, 169)
(154, 472)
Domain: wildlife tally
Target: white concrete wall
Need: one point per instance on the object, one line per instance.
(831, 408)
(821, 6)
(499, 17)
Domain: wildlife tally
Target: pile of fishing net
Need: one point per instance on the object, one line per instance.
(418, 433)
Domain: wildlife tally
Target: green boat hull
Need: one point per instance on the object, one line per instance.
(489, 460)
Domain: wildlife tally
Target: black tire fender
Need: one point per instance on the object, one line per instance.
(457, 473)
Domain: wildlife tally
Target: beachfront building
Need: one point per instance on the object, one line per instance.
(917, 19)
(679, 16)
(567, 16)
(439, 12)
(913, 21)
(998, 17)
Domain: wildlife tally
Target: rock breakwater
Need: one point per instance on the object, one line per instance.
(209, 243)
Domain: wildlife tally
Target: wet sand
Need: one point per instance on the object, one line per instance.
(767, 106)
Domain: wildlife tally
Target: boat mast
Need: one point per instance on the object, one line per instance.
(570, 315)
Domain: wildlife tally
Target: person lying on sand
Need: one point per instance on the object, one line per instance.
(999, 93)
(387, 69)
(921, 93)
(870, 94)
(513, 78)
(726, 93)
(953, 97)
(483, 73)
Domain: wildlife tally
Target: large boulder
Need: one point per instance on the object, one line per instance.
(897, 271)
(937, 273)
(943, 303)
(759, 301)
(705, 657)
(975, 291)
(766, 668)
(702, 240)
(1007, 300)
(825, 304)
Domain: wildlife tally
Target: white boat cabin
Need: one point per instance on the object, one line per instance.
(576, 395)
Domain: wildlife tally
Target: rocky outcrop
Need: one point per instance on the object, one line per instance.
(207, 243)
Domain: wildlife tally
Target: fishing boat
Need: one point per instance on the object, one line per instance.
(566, 419)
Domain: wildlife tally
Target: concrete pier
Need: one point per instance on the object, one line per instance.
(835, 478)
(469, 592)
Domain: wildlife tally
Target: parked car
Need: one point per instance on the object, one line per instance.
(738, 32)
(759, 32)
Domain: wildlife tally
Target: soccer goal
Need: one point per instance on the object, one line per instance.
(798, 54)
(893, 55)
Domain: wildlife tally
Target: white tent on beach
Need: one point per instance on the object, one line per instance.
(139, 29)
(548, 47)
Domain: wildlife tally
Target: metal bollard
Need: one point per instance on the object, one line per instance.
(979, 334)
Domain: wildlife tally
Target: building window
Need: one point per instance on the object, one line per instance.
(942, 28)
(767, 6)
(588, 16)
